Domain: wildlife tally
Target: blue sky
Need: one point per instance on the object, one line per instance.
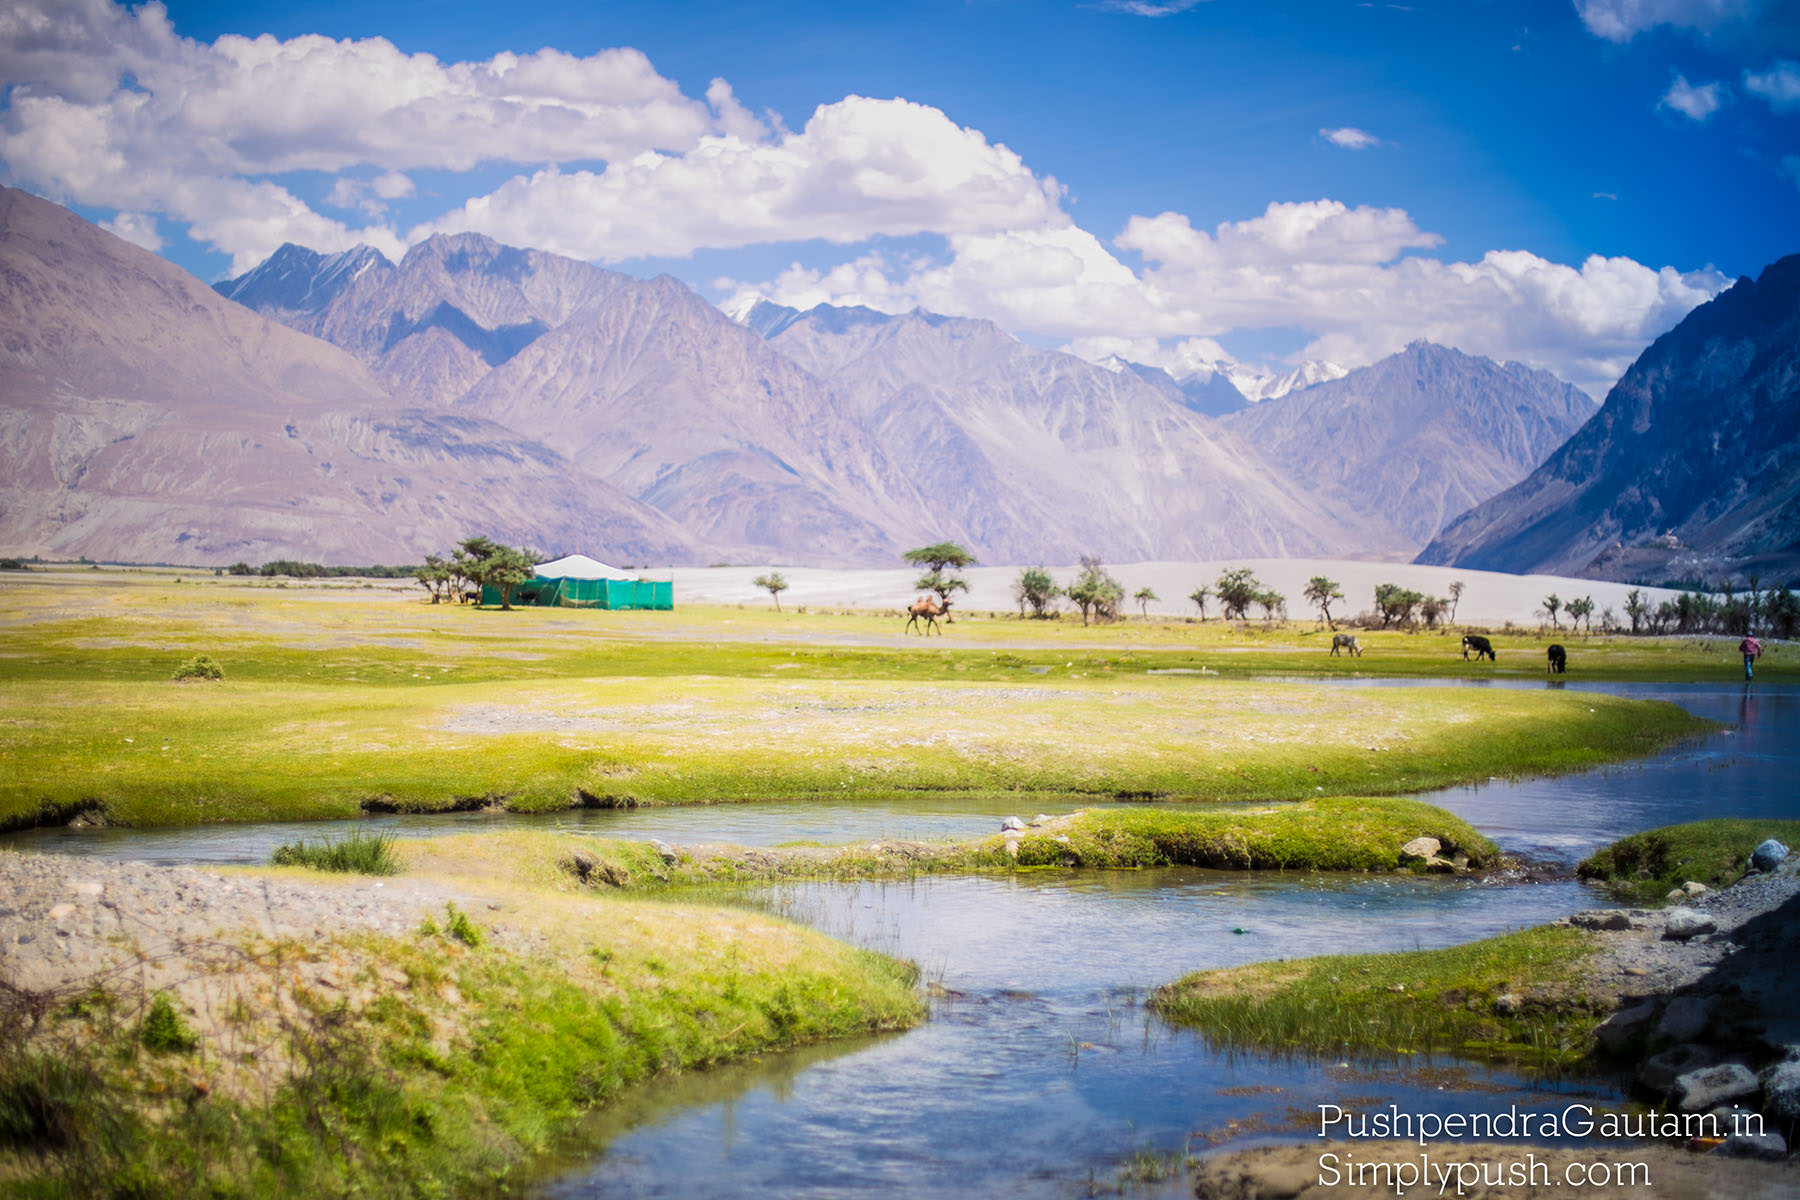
(1556, 182)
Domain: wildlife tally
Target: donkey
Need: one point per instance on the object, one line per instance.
(1346, 641)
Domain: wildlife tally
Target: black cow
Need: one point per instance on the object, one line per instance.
(1480, 645)
(1559, 661)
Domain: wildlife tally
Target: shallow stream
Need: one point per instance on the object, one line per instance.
(1039, 1072)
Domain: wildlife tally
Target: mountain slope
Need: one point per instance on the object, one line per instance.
(1699, 440)
(453, 309)
(149, 419)
(1419, 436)
(1033, 455)
(654, 389)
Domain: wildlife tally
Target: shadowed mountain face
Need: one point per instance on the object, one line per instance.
(148, 419)
(1419, 436)
(1691, 467)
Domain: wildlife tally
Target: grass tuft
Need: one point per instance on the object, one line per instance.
(356, 853)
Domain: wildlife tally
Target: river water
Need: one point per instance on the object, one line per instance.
(1039, 1073)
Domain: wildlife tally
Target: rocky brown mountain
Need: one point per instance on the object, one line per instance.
(148, 419)
(1691, 468)
(1034, 455)
(1418, 437)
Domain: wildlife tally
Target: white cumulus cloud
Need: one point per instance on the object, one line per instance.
(860, 168)
(1347, 276)
(1350, 138)
(137, 228)
(1779, 85)
(1694, 101)
(1621, 20)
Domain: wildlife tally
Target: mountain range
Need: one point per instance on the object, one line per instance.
(348, 408)
(1690, 470)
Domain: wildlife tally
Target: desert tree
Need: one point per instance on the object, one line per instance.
(1271, 602)
(773, 583)
(495, 564)
(1237, 590)
(1581, 611)
(940, 561)
(1200, 596)
(1035, 588)
(435, 576)
(1552, 606)
(1431, 610)
(1456, 591)
(1635, 609)
(1396, 604)
(1320, 592)
(1144, 596)
(1095, 592)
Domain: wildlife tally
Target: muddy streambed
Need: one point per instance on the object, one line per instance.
(1039, 1073)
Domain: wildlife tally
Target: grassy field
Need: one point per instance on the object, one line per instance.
(340, 700)
(438, 1063)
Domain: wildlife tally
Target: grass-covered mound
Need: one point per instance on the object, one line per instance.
(1646, 866)
(1335, 834)
(1517, 998)
(421, 1066)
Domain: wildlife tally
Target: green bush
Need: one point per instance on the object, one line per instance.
(162, 1028)
(356, 853)
(201, 666)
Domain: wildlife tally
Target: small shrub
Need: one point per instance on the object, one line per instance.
(201, 666)
(357, 853)
(459, 926)
(163, 1030)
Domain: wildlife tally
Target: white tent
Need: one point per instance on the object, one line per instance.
(577, 566)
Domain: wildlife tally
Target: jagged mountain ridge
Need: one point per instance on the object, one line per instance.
(1690, 468)
(149, 419)
(1037, 455)
(832, 436)
(1420, 435)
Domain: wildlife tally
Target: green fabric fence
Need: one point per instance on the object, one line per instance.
(587, 593)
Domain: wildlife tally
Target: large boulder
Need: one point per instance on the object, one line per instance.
(1683, 923)
(1710, 1087)
(1768, 855)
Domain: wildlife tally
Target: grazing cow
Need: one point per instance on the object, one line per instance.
(1346, 641)
(1558, 661)
(1480, 645)
(927, 608)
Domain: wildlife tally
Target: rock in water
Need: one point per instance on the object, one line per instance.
(1769, 855)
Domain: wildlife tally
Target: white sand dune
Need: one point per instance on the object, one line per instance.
(1489, 597)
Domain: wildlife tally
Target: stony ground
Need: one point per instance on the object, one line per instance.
(1707, 1022)
(68, 923)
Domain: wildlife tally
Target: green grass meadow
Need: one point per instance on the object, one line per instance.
(335, 701)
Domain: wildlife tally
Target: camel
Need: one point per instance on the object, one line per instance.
(929, 609)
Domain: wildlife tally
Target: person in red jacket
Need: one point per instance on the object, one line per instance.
(1751, 649)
